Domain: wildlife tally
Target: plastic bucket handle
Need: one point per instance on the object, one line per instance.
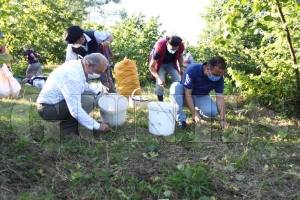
(132, 95)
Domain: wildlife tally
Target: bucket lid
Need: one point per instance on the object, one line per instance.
(113, 102)
(162, 106)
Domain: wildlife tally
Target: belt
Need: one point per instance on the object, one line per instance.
(43, 104)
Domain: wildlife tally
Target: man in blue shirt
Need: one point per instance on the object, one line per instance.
(194, 89)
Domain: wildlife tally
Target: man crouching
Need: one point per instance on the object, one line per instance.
(66, 95)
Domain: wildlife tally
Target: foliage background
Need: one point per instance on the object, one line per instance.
(248, 34)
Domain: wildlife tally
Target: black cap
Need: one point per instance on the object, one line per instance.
(174, 40)
(72, 34)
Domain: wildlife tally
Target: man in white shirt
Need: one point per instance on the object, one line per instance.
(82, 43)
(66, 95)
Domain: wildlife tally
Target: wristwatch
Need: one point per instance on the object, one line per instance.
(224, 120)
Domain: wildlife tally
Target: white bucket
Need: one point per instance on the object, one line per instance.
(162, 118)
(113, 109)
(138, 101)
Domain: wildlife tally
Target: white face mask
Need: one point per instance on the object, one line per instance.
(93, 76)
(172, 51)
(76, 45)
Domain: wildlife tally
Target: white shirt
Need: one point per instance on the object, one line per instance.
(69, 82)
(100, 37)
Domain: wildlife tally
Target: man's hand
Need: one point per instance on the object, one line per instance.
(182, 70)
(106, 44)
(103, 127)
(196, 117)
(161, 83)
(224, 124)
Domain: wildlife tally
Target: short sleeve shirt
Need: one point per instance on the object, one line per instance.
(195, 79)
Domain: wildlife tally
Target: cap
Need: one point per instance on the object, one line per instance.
(72, 34)
(1, 34)
(174, 40)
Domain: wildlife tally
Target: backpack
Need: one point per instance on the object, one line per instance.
(37, 81)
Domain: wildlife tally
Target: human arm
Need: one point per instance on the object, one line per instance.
(33, 56)
(191, 105)
(104, 38)
(152, 64)
(71, 91)
(182, 67)
(221, 109)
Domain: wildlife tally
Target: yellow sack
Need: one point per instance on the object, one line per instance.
(127, 77)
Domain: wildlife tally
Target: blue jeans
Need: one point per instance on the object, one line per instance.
(203, 103)
(161, 72)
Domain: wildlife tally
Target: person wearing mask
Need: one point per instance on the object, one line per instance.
(187, 59)
(34, 66)
(67, 97)
(165, 55)
(198, 81)
(84, 42)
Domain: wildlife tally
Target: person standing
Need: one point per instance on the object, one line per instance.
(34, 66)
(164, 57)
(82, 43)
(108, 53)
(67, 97)
(194, 89)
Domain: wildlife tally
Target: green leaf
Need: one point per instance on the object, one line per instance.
(230, 168)
(145, 155)
(187, 172)
(268, 18)
(239, 177)
(298, 2)
(167, 193)
(4, 58)
(151, 147)
(243, 2)
(204, 158)
(180, 167)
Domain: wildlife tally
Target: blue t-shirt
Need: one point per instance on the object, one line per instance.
(200, 84)
(29, 58)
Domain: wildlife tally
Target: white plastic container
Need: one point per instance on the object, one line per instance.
(113, 108)
(162, 118)
(138, 101)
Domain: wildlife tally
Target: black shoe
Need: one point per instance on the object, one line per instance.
(182, 125)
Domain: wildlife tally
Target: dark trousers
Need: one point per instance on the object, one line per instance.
(107, 81)
(60, 111)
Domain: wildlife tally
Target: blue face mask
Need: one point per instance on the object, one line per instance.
(213, 78)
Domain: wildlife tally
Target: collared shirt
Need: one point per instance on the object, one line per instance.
(68, 82)
(195, 79)
(100, 37)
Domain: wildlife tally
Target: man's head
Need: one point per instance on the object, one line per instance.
(173, 43)
(73, 35)
(25, 47)
(94, 63)
(215, 68)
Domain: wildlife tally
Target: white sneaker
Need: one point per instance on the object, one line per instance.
(28, 84)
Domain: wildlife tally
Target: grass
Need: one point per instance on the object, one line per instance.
(257, 158)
